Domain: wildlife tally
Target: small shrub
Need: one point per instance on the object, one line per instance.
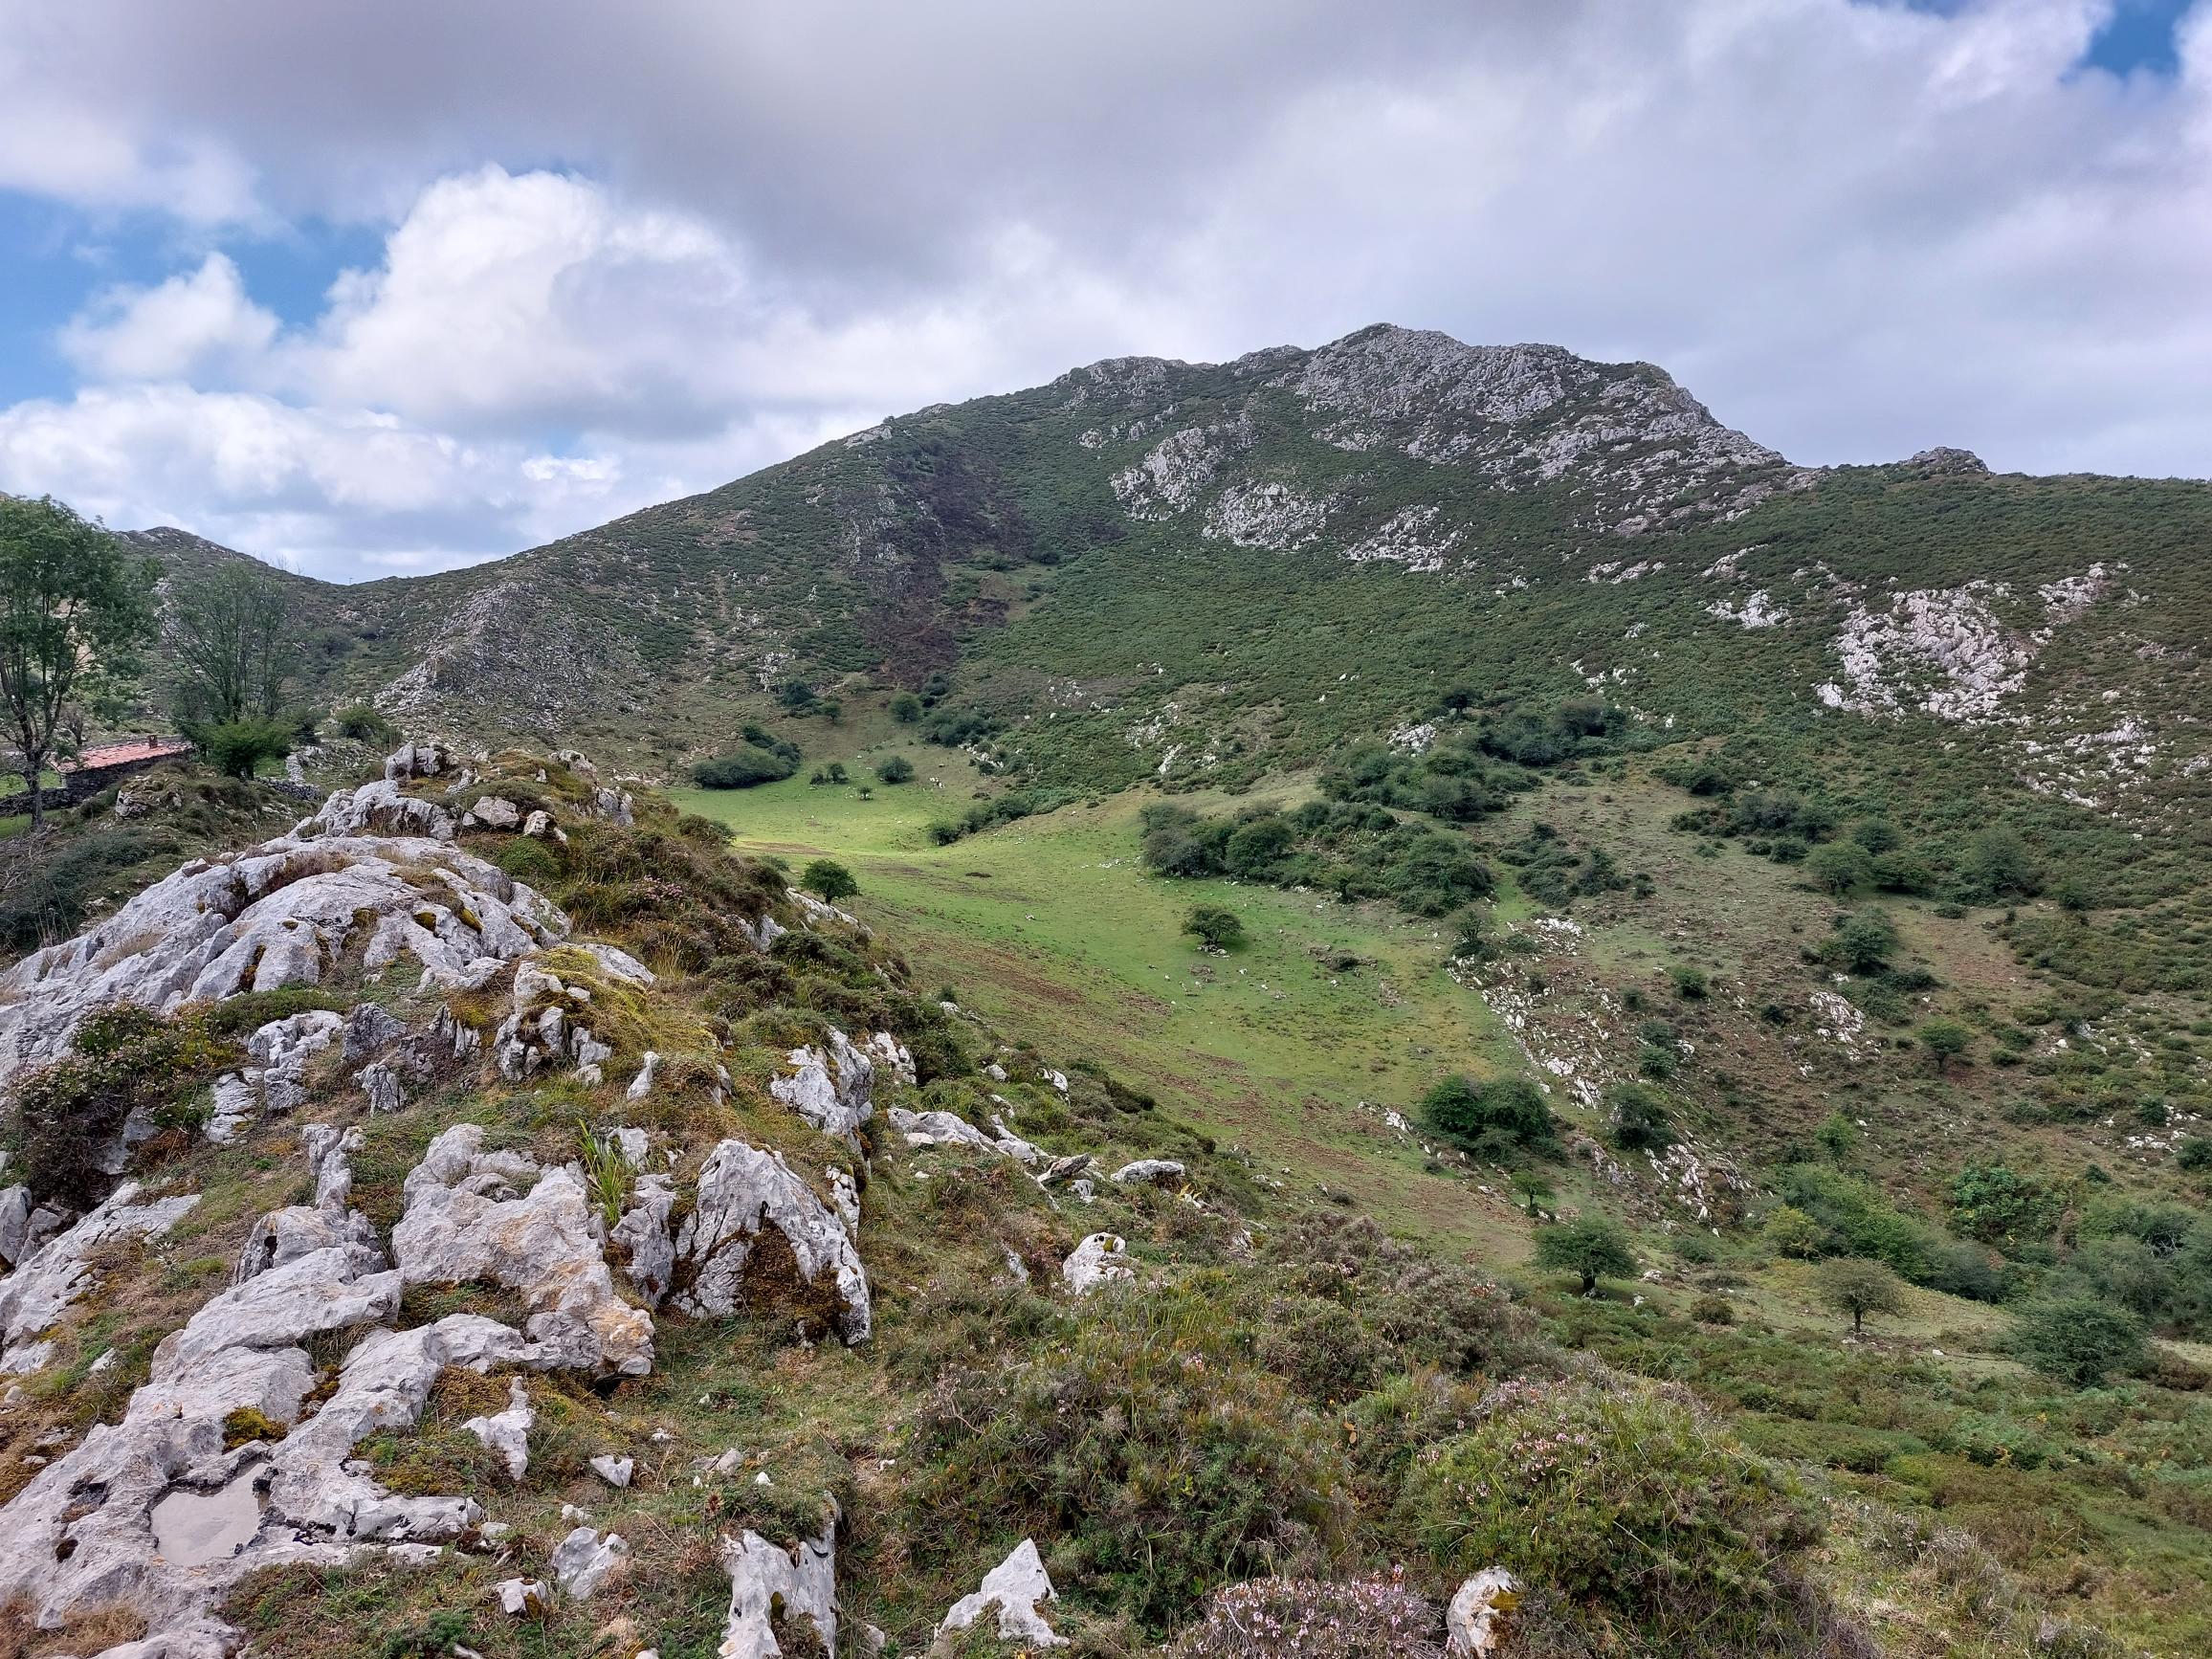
(235, 748)
(894, 769)
(1690, 984)
(2079, 1340)
(1371, 1617)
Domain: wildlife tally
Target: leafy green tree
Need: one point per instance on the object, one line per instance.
(229, 636)
(2000, 863)
(1859, 1288)
(1639, 1118)
(1215, 926)
(1475, 1114)
(1591, 1247)
(2000, 1206)
(906, 708)
(1839, 867)
(1792, 1232)
(1876, 834)
(796, 695)
(1863, 940)
(1944, 1041)
(1837, 1136)
(1535, 1190)
(75, 613)
(2081, 1339)
(894, 769)
(236, 748)
(829, 878)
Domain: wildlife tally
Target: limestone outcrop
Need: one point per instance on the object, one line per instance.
(744, 1194)
(496, 1216)
(283, 913)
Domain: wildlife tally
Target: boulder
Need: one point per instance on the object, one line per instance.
(524, 1598)
(492, 812)
(833, 1087)
(769, 1582)
(378, 809)
(614, 1471)
(584, 1560)
(643, 1236)
(1014, 1589)
(743, 1193)
(1147, 1171)
(1474, 1624)
(508, 1432)
(463, 1222)
(1102, 1259)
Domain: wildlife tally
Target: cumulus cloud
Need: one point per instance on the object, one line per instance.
(1855, 228)
(202, 322)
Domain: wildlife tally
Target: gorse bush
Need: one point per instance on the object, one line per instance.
(67, 1114)
(1661, 1528)
(1160, 1456)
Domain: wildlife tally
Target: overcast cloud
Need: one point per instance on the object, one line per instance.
(622, 254)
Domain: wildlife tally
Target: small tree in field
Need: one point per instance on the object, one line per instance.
(1535, 1191)
(1591, 1247)
(829, 878)
(895, 769)
(1215, 925)
(1944, 1041)
(1859, 1288)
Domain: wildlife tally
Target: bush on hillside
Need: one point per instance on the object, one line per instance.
(235, 748)
(1859, 1288)
(894, 769)
(1215, 926)
(1161, 1462)
(2079, 1340)
(742, 769)
(1479, 1116)
(1628, 1506)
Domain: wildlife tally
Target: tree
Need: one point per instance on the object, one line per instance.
(829, 878)
(1863, 940)
(894, 769)
(1837, 1136)
(1474, 1114)
(1794, 1233)
(906, 708)
(236, 748)
(1592, 1247)
(74, 610)
(1839, 867)
(1215, 926)
(1639, 1118)
(1945, 1041)
(1859, 1288)
(228, 634)
(2079, 1340)
(1533, 1189)
(796, 695)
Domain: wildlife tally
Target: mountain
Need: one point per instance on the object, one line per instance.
(1448, 802)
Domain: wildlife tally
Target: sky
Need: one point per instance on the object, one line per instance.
(375, 290)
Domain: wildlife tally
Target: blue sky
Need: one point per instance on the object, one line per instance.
(305, 279)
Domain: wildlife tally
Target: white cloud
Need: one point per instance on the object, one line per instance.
(197, 323)
(1854, 228)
